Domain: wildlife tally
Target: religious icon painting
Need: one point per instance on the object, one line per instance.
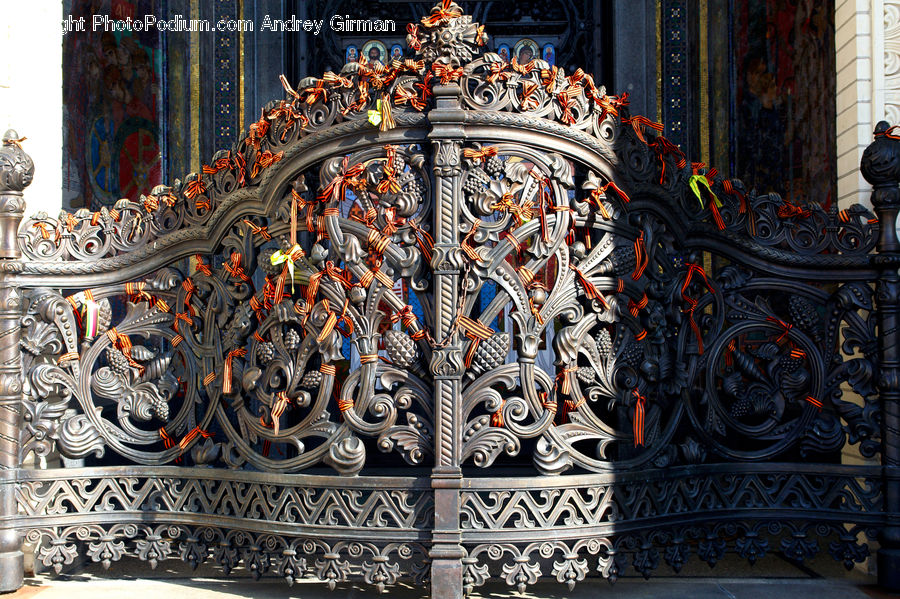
(396, 52)
(504, 52)
(549, 54)
(352, 54)
(375, 51)
(525, 51)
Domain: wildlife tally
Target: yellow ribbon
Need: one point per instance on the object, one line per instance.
(292, 254)
(375, 115)
(695, 182)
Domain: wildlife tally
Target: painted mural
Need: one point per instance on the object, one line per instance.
(111, 91)
(784, 86)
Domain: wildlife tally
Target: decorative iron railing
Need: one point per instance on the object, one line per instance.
(450, 318)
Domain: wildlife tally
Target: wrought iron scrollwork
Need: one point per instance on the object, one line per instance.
(452, 260)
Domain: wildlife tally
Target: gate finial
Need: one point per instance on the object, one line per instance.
(446, 36)
(16, 167)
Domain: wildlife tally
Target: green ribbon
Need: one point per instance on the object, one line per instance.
(695, 182)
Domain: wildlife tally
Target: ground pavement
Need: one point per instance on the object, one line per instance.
(772, 578)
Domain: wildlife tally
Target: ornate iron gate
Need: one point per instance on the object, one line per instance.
(320, 355)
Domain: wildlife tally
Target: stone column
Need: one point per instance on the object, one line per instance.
(447, 363)
(881, 167)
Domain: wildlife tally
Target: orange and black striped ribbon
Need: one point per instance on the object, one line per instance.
(278, 408)
(234, 268)
(640, 256)
(639, 122)
(262, 231)
(182, 316)
(589, 290)
(189, 288)
(692, 303)
(193, 434)
(202, 267)
(442, 15)
(477, 332)
(123, 344)
(68, 356)
(784, 326)
(239, 352)
(467, 246)
(564, 381)
(639, 409)
(497, 417)
(480, 155)
(194, 188)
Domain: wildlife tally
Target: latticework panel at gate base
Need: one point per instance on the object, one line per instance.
(451, 262)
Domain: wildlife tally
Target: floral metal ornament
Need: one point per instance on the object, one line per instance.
(410, 271)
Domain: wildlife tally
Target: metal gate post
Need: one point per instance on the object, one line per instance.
(16, 171)
(446, 363)
(881, 167)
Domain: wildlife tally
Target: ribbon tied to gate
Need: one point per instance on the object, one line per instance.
(349, 177)
(390, 182)
(696, 181)
(442, 15)
(239, 352)
(477, 332)
(89, 311)
(446, 73)
(692, 303)
(521, 213)
(287, 258)
(590, 291)
(281, 403)
(123, 344)
(639, 412)
(193, 434)
(480, 155)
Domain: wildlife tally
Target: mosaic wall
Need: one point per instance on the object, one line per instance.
(772, 81)
(138, 109)
(111, 99)
(784, 62)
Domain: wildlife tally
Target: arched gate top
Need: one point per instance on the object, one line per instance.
(449, 81)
